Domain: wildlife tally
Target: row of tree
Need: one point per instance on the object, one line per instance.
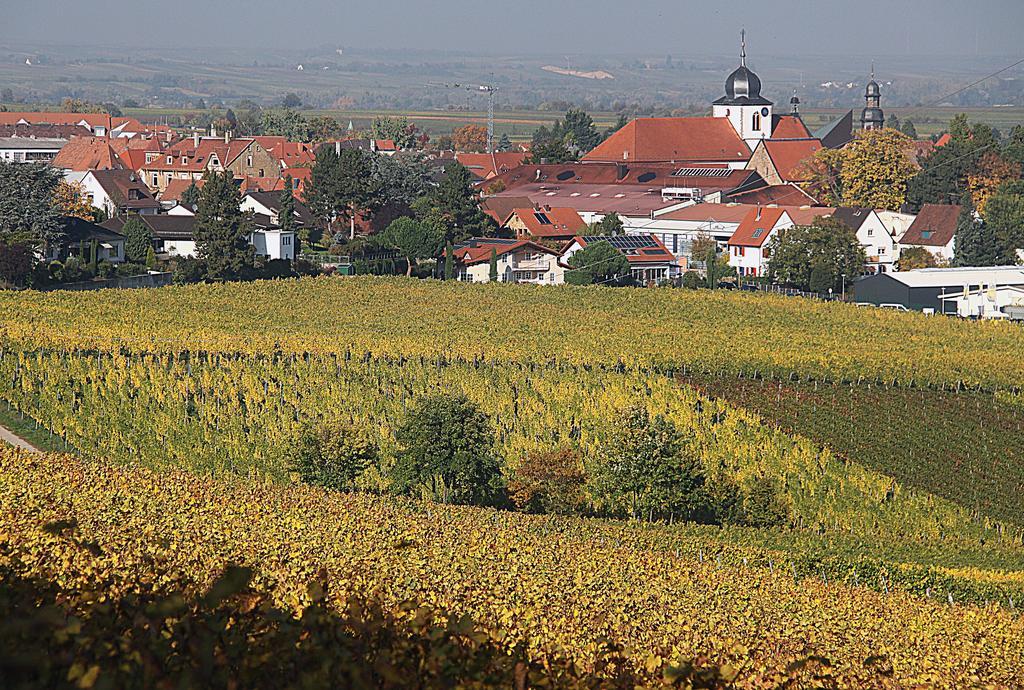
(647, 468)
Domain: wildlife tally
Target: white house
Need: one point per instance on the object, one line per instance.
(116, 191)
(273, 243)
(897, 223)
(881, 248)
(678, 228)
(518, 261)
(749, 250)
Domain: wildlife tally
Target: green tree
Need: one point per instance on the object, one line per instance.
(492, 271)
(914, 258)
(291, 100)
(330, 456)
(821, 277)
(909, 129)
(609, 225)
(619, 124)
(286, 212)
(1004, 214)
(222, 230)
(826, 245)
(504, 143)
(396, 129)
(446, 449)
(402, 178)
(976, 242)
(190, 197)
(138, 239)
(28, 212)
(454, 205)
(581, 133)
(647, 470)
(552, 151)
(943, 175)
(598, 262)
(341, 187)
(449, 261)
(413, 240)
(150, 258)
(764, 505)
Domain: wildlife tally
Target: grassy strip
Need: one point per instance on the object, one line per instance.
(29, 430)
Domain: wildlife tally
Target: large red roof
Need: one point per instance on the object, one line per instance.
(754, 229)
(550, 222)
(787, 194)
(934, 226)
(488, 165)
(789, 156)
(87, 153)
(476, 251)
(673, 139)
(790, 127)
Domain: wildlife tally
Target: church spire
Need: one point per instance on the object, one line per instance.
(743, 48)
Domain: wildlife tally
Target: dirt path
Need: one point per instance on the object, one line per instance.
(8, 437)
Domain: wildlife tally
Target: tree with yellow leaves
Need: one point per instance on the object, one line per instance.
(991, 171)
(70, 200)
(871, 171)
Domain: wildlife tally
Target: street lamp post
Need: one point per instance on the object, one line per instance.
(844, 287)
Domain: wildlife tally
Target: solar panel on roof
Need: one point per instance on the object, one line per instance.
(702, 172)
(542, 218)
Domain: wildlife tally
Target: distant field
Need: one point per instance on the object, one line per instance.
(520, 124)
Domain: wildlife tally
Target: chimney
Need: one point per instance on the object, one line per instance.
(195, 139)
(621, 170)
(227, 137)
(213, 131)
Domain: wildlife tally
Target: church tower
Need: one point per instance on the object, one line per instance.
(749, 112)
(872, 116)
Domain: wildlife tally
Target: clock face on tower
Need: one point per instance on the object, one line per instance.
(764, 112)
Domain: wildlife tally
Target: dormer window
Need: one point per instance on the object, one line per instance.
(170, 160)
(184, 160)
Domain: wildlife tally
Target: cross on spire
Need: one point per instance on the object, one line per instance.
(743, 47)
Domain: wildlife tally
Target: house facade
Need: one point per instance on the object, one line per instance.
(518, 261)
(650, 262)
(934, 229)
(881, 248)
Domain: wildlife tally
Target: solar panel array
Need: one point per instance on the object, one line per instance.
(702, 172)
(624, 243)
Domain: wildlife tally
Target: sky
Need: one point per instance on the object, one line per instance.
(681, 27)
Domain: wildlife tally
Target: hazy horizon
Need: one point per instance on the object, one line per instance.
(785, 27)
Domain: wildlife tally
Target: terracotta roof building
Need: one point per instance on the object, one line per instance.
(934, 229)
(675, 140)
(87, 153)
(780, 161)
(545, 223)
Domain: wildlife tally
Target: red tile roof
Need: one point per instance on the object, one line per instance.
(677, 139)
(944, 139)
(789, 155)
(488, 165)
(934, 226)
(805, 215)
(87, 153)
(780, 194)
(625, 200)
(549, 222)
(790, 127)
(94, 120)
(755, 228)
(476, 251)
(709, 177)
(175, 188)
(501, 207)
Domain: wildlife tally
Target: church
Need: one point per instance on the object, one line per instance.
(742, 123)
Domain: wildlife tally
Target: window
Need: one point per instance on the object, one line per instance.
(170, 160)
(881, 250)
(757, 122)
(871, 232)
(675, 244)
(155, 180)
(248, 161)
(184, 160)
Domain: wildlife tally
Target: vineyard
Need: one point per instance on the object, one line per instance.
(236, 414)
(607, 600)
(896, 443)
(664, 329)
(966, 447)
